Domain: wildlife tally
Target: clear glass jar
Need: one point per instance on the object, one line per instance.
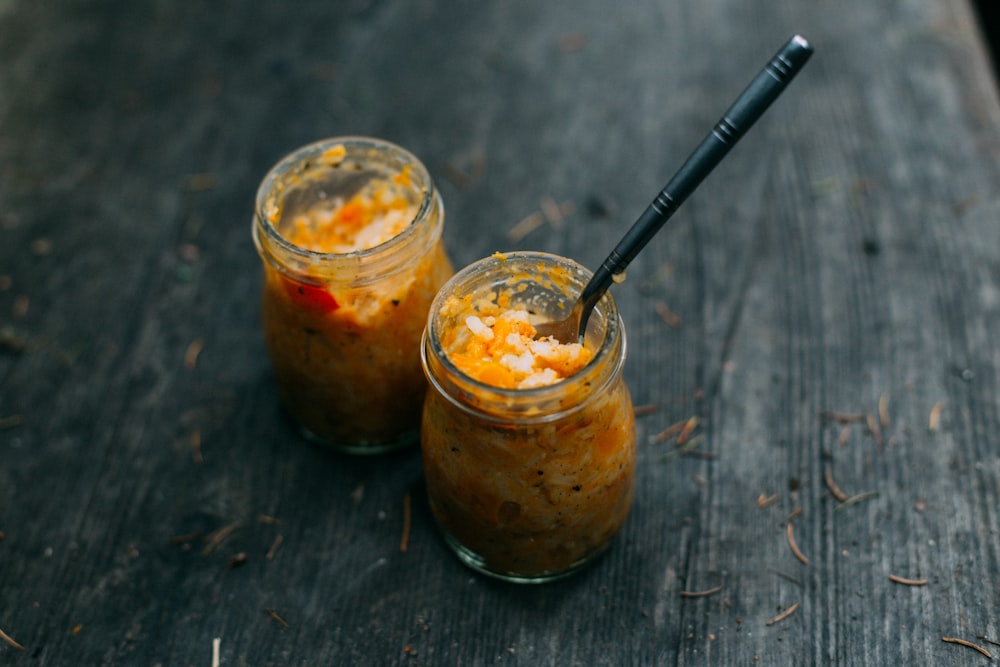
(527, 485)
(343, 326)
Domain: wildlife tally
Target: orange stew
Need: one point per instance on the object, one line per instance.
(345, 352)
(527, 498)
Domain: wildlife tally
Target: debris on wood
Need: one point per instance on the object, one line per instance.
(963, 642)
(764, 501)
(684, 449)
(404, 542)
(525, 226)
(854, 500)
(201, 182)
(685, 433)
(267, 518)
(10, 421)
(701, 594)
(278, 539)
(643, 410)
(187, 538)
(669, 317)
(217, 537)
(783, 615)
(196, 446)
(935, 418)
(874, 429)
(842, 417)
(790, 534)
(192, 352)
(41, 246)
(832, 485)
(216, 645)
(883, 410)
(670, 431)
(12, 341)
(277, 619)
(10, 640)
(553, 212)
(844, 436)
(907, 582)
(237, 559)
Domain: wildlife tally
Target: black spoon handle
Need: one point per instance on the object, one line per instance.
(744, 112)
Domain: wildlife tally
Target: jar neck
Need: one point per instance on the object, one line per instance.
(303, 178)
(606, 337)
(358, 268)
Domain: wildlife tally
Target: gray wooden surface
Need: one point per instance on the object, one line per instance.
(845, 258)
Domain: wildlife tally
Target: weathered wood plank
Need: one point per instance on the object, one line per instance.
(843, 257)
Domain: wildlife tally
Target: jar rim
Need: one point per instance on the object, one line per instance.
(268, 190)
(596, 374)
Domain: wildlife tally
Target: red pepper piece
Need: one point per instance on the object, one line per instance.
(309, 297)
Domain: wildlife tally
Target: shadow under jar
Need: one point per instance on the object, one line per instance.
(349, 231)
(530, 483)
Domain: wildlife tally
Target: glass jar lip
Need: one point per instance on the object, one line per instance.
(429, 197)
(613, 341)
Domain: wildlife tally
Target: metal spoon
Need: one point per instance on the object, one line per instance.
(743, 113)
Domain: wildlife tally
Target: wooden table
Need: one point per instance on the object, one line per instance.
(826, 306)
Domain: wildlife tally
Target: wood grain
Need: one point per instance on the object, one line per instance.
(844, 252)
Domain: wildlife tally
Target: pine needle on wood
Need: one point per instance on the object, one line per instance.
(783, 615)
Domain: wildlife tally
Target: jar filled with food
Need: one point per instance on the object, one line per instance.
(349, 230)
(528, 444)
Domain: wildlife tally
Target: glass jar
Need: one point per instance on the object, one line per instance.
(343, 317)
(527, 485)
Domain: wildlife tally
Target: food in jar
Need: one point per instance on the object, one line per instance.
(349, 278)
(530, 466)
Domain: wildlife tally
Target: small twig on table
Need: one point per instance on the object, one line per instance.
(764, 501)
(670, 431)
(963, 642)
(216, 645)
(783, 615)
(907, 582)
(874, 429)
(789, 532)
(700, 594)
(934, 421)
(10, 640)
(278, 539)
(834, 489)
(404, 542)
(217, 537)
(689, 426)
(643, 410)
(883, 410)
(192, 352)
(277, 619)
